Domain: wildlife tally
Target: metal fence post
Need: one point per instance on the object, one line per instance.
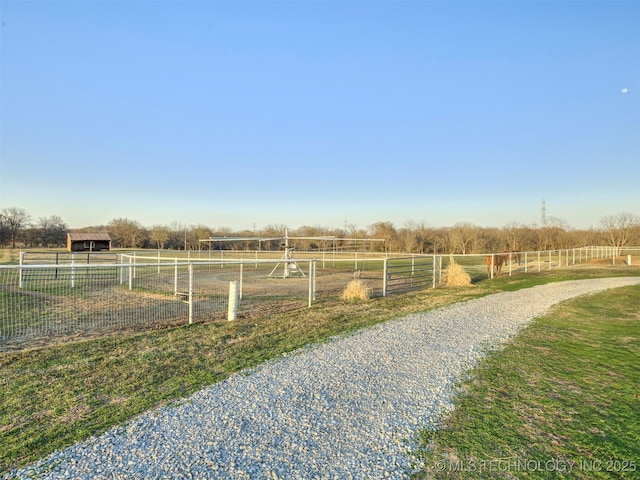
(384, 277)
(315, 264)
(232, 310)
(434, 271)
(310, 283)
(20, 272)
(130, 275)
(190, 293)
(241, 275)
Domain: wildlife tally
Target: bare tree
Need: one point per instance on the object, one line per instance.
(5, 235)
(462, 237)
(50, 231)
(513, 237)
(619, 228)
(127, 233)
(387, 231)
(311, 243)
(14, 219)
(440, 241)
(197, 233)
(159, 235)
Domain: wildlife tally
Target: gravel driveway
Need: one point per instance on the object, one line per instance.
(347, 409)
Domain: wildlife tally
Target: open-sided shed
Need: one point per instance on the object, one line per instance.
(88, 242)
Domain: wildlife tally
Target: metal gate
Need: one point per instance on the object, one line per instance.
(402, 274)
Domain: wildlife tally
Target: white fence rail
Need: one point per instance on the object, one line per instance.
(79, 295)
(38, 302)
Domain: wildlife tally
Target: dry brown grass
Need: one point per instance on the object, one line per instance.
(357, 290)
(456, 276)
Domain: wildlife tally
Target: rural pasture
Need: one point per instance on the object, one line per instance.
(61, 393)
(53, 297)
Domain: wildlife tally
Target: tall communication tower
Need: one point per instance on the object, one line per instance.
(543, 213)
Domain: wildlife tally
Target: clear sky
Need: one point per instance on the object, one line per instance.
(249, 114)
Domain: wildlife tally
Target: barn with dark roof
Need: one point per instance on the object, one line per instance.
(88, 242)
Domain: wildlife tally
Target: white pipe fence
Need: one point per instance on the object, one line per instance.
(76, 294)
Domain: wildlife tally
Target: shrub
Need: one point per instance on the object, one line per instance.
(456, 276)
(356, 290)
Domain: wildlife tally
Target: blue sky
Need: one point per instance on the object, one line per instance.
(249, 114)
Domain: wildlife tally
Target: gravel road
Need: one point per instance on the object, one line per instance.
(347, 409)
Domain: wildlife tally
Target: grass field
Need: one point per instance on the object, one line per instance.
(561, 400)
(55, 396)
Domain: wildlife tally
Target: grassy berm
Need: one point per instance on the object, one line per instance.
(57, 395)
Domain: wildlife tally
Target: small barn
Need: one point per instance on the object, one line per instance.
(88, 242)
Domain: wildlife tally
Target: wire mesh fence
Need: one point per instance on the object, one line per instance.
(57, 295)
(39, 302)
(58, 299)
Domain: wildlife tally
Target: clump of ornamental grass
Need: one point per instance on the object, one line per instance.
(456, 276)
(357, 291)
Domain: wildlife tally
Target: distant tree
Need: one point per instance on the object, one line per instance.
(236, 244)
(488, 240)
(5, 235)
(387, 231)
(14, 219)
(547, 238)
(409, 237)
(310, 243)
(425, 238)
(273, 231)
(177, 236)
(528, 240)
(440, 241)
(159, 236)
(620, 228)
(589, 237)
(513, 237)
(197, 233)
(127, 233)
(51, 231)
(462, 237)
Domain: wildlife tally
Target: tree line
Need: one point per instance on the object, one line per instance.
(17, 228)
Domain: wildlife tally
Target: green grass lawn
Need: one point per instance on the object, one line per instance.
(60, 394)
(559, 401)
(9, 256)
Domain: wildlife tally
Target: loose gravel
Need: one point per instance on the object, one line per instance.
(347, 409)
